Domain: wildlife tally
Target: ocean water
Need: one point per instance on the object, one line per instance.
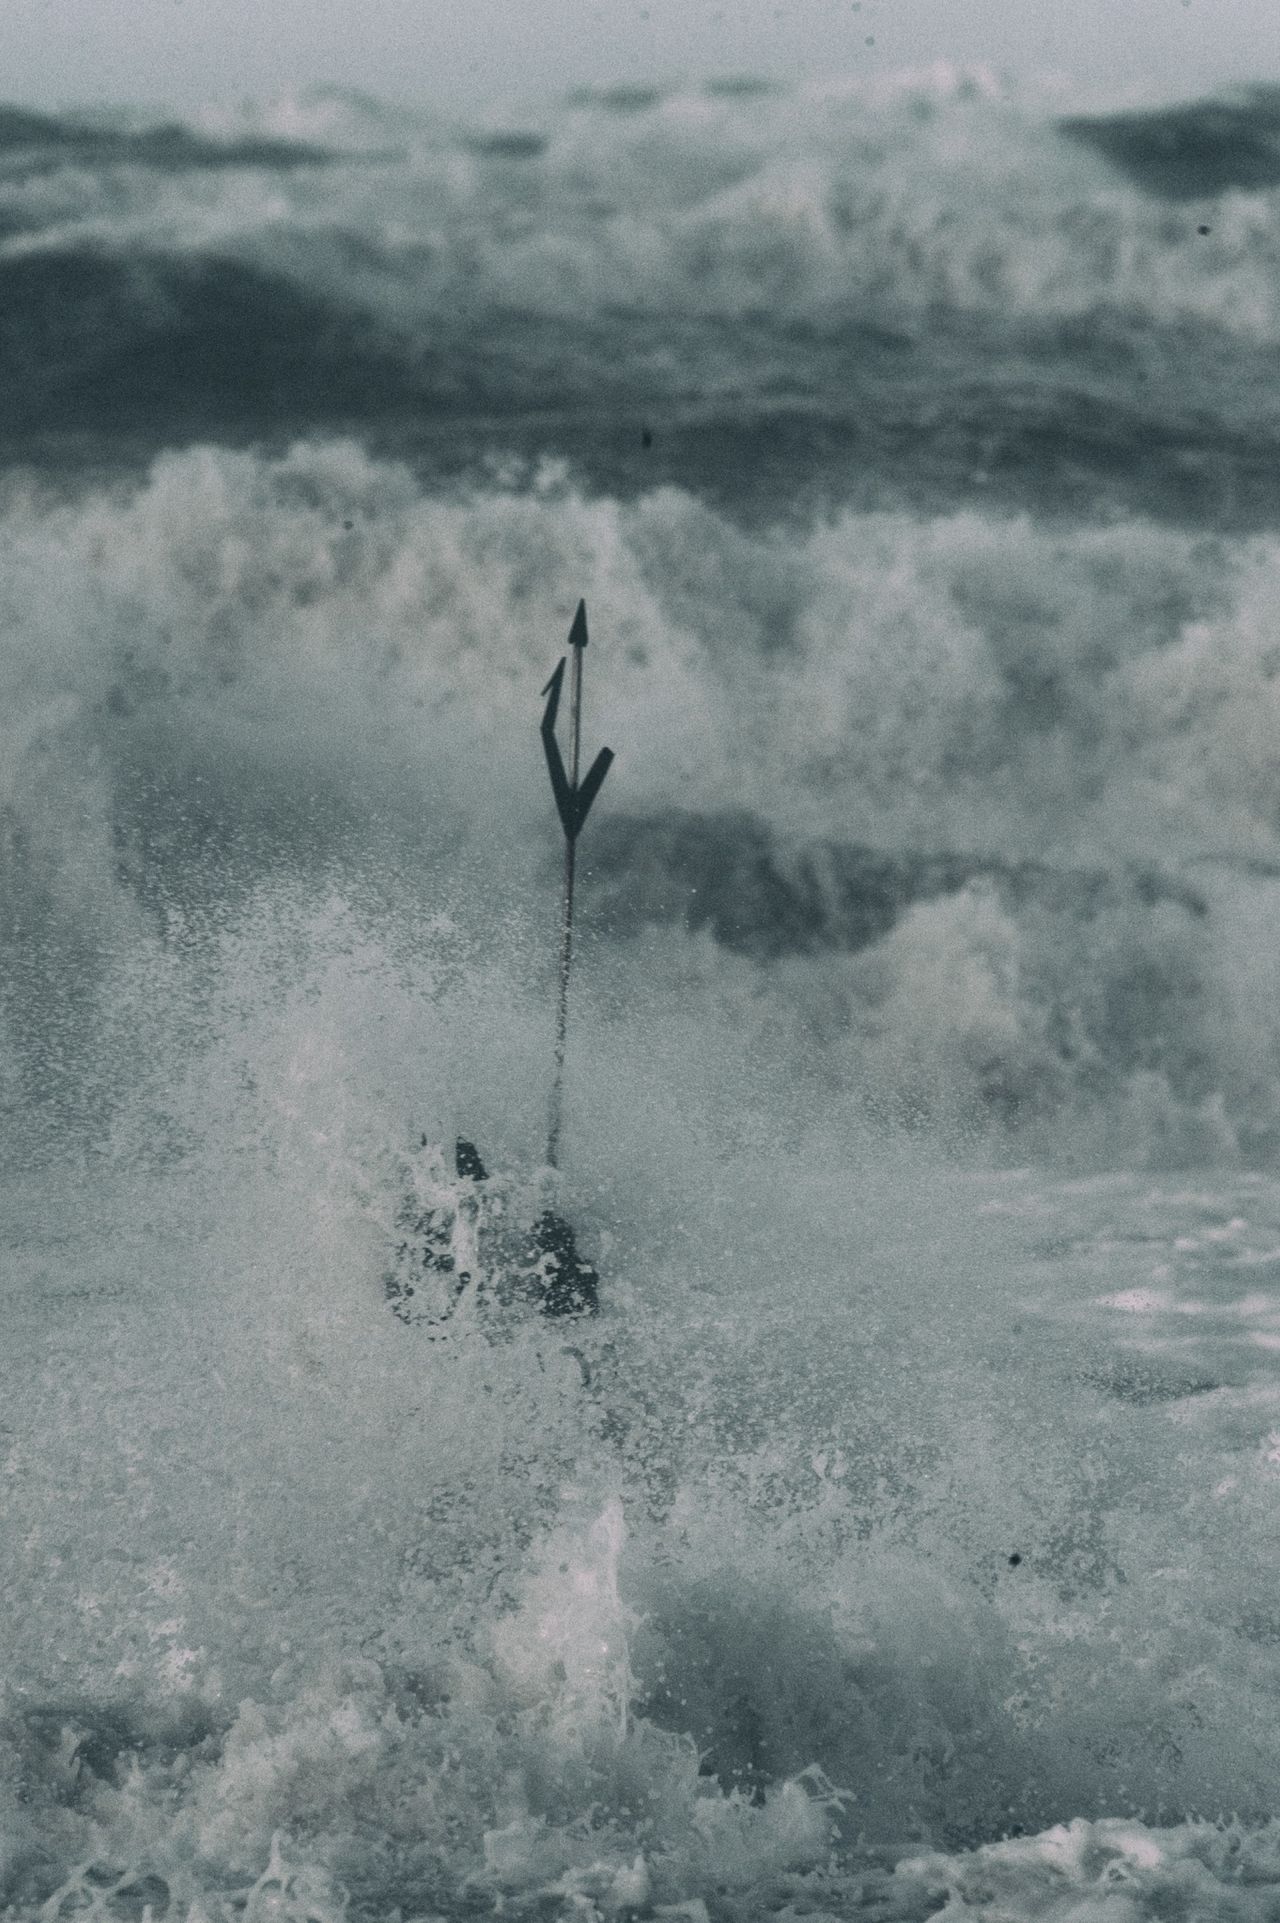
(900, 1540)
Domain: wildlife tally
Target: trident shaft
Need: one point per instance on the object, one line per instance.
(573, 802)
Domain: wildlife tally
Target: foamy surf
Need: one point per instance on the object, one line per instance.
(897, 1539)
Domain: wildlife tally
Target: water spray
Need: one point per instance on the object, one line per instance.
(573, 801)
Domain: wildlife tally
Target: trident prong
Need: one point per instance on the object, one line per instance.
(573, 798)
(573, 802)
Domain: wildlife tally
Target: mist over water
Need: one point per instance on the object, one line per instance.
(898, 1540)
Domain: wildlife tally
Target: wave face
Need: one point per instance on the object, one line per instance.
(927, 289)
(1194, 151)
(900, 1536)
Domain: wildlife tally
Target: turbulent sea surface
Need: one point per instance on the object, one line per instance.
(900, 1541)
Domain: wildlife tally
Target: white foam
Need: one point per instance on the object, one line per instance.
(852, 198)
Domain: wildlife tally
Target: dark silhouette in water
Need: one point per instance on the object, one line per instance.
(567, 1285)
(562, 1283)
(542, 1269)
(466, 1160)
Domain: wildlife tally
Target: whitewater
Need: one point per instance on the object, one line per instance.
(899, 1541)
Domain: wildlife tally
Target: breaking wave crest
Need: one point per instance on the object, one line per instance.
(939, 191)
(967, 804)
(783, 283)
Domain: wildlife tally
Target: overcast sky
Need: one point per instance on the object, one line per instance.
(464, 53)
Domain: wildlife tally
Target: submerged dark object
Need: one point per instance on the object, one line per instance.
(466, 1159)
(460, 1245)
(567, 1285)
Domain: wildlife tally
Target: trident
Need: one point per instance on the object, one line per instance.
(573, 802)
